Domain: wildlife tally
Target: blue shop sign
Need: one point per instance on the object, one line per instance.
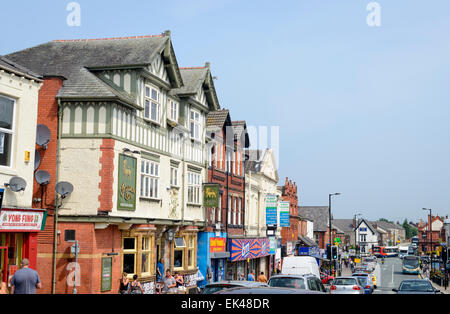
(309, 251)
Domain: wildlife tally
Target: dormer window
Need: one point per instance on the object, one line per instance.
(152, 104)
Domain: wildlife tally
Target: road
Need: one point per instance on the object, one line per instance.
(389, 275)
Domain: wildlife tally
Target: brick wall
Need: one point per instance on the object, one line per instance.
(47, 115)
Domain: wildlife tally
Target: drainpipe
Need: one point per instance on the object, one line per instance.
(55, 224)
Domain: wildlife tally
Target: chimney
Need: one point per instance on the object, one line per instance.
(207, 65)
(167, 33)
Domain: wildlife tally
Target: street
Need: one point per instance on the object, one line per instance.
(389, 275)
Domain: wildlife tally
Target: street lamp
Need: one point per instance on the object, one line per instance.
(329, 223)
(356, 225)
(431, 237)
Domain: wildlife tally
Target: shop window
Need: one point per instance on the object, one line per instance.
(184, 257)
(178, 257)
(129, 255)
(146, 250)
(191, 251)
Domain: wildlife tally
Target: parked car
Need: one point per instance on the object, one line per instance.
(307, 282)
(416, 286)
(221, 285)
(266, 290)
(366, 282)
(346, 285)
(300, 265)
(326, 279)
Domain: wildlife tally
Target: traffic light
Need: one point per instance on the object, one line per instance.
(334, 252)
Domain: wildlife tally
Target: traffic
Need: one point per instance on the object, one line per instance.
(384, 270)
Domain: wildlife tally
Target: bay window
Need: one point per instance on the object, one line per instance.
(6, 130)
(173, 110)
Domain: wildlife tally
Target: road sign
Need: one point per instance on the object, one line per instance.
(75, 249)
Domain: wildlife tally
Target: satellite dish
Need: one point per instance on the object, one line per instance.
(16, 184)
(42, 177)
(43, 135)
(37, 160)
(64, 189)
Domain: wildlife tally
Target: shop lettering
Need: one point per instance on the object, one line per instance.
(14, 218)
(22, 218)
(126, 192)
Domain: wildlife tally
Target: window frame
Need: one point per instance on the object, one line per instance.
(153, 179)
(170, 111)
(194, 186)
(194, 123)
(186, 266)
(174, 177)
(11, 132)
(138, 252)
(152, 101)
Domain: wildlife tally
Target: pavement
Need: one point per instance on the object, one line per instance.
(436, 286)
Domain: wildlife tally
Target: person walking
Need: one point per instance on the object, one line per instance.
(124, 284)
(262, 278)
(135, 286)
(25, 280)
(169, 283)
(251, 276)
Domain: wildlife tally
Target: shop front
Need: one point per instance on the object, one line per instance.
(19, 229)
(248, 255)
(212, 256)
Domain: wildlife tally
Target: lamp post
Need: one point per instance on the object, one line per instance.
(431, 237)
(329, 223)
(356, 225)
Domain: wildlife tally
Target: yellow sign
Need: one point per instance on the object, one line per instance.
(357, 260)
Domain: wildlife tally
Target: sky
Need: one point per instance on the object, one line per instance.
(361, 109)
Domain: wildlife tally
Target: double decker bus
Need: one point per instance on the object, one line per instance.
(411, 265)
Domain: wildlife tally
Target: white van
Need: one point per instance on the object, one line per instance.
(300, 265)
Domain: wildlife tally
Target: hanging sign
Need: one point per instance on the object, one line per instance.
(284, 214)
(127, 183)
(271, 209)
(211, 195)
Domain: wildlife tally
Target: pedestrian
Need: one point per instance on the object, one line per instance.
(169, 282)
(159, 275)
(135, 286)
(251, 276)
(262, 278)
(3, 288)
(179, 280)
(25, 280)
(124, 284)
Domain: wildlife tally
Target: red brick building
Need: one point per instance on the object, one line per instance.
(438, 233)
(290, 235)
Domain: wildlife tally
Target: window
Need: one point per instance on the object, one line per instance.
(219, 210)
(239, 211)
(173, 176)
(229, 210)
(191, 251)
(194, 125)
(151, 109)
(149, 179)
(6, 130)
(129, 255)
(194, 188)
(173, 110)
(145, 253)
(363, 237)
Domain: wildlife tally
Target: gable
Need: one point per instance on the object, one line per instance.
(269, 166)
(157, 68)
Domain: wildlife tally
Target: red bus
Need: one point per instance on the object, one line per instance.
(378, 251)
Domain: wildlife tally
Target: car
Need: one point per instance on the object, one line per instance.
(221, 285)
(416, 286)
(307, 282)
(326, 279)
(366, 282)
(266, 290)
(346, 285)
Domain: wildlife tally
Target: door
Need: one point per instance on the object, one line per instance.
(3, 257)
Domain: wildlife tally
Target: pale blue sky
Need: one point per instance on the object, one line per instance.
(362, 110)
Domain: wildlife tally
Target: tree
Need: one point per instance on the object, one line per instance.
(410, 231)
(385, 220)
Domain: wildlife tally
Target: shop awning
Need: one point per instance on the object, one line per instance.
(307, 241)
